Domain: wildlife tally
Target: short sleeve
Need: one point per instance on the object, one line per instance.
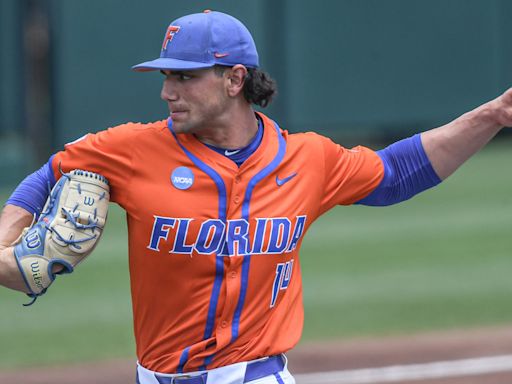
(107, 152)
(350, 174)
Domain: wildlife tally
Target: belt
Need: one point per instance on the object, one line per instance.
(255, 370)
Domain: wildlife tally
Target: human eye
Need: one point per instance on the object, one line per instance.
(184, 76)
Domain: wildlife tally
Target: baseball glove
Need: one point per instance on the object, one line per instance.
(66, 232)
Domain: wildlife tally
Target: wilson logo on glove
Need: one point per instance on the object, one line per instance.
(33, 240)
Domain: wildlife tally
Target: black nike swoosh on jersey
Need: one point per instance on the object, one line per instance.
(280, 182)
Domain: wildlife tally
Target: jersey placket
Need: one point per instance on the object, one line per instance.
(232, 272)
(237, 270)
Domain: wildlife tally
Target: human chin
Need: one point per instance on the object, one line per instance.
(184, 126)
(179, 127)
(180, 121)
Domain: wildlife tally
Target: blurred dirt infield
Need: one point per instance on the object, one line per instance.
(320, 357)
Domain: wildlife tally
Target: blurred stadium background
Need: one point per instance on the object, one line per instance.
(358, 71)
(345, 68)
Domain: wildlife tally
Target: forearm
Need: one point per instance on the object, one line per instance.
(449, 146)
(25, 203)
(12, 221)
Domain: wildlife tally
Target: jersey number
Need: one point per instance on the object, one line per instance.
(282, 279)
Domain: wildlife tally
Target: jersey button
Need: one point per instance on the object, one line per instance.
(237, 179)
(232, 274)
(224, 324)
(237, 199)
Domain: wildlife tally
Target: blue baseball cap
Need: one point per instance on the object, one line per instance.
(202, 40)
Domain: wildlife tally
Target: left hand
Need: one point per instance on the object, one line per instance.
(501, 109)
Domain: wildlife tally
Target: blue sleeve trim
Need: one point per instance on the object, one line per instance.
(407, 172)
(32, 192)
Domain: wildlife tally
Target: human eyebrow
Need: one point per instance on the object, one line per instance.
(182, 75)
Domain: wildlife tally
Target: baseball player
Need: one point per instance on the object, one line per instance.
(218, 198)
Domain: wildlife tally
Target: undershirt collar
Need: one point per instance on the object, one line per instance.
(241, 154)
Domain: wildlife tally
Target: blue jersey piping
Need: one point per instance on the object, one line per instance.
(219, 264)
(245, 215)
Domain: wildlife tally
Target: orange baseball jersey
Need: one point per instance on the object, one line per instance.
(213, 248)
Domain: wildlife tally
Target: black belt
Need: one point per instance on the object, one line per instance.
(255, 370)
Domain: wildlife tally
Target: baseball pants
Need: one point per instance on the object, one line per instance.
(269, 370)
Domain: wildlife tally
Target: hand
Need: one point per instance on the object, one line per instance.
(501, 109)
(12, 221)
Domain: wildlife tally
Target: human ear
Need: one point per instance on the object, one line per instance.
(235, 78)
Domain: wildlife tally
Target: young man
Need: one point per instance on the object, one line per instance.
(218, 199)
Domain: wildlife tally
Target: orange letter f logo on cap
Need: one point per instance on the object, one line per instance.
(171, 31)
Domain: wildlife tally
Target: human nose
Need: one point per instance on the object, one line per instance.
(168, 92)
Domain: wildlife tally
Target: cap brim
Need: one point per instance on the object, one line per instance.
(170, 64)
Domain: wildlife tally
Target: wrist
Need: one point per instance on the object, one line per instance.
(488, 116)
(497, 111)
(10, 275)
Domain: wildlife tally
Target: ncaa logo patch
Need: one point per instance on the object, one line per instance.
(182, 178)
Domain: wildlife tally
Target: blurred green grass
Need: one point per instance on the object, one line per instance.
(441, 260)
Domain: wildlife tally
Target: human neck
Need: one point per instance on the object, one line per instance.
(235, 133)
